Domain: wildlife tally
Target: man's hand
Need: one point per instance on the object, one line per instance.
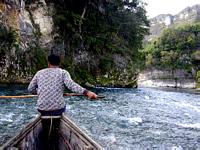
(91, 95)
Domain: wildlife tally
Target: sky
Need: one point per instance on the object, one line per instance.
(156, 7)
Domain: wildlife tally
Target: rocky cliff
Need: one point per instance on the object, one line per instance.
(31, 29)
(159, 76)
(160, 22)
(167, 78)
(25, 28)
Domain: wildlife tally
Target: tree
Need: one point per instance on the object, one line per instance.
(175, 48)
(102, 27)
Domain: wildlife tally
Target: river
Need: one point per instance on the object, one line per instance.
(142, 118)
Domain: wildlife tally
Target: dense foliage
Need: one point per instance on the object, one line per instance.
(7, 38)
(177, 48)
(198, 80)
(98, 40)
(102, 28)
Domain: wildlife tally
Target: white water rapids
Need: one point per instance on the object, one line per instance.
(126, 119)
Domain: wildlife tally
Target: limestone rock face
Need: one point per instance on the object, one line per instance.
(166, 78)
(37, 20)
(29, 20)
(42, 17)
(160, 22)
(31, 26)
(189, 14)
(171, 78)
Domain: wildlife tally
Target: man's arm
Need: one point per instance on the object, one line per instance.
(90, 95)
(32, 88)
(73, 86)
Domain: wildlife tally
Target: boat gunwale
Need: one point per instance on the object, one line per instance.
(64, 119)
(79, 132)
(22, 133)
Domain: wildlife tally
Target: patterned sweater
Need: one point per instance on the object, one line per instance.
(49, 84)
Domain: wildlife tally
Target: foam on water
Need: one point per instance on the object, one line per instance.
(136, 120)
(68, 107)
(111, 139)
(7, 117)
(157, 132)
(146, 97)
(187, 105)
(6, 120)
(195, 125)
(129, 119)
(176, 148)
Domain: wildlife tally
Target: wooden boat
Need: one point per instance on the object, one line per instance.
(66, 136)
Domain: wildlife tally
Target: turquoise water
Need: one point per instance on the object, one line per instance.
(142, 118)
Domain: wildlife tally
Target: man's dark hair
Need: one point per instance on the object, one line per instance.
(54, 59)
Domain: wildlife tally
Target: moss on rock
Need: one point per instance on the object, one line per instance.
(198, 80)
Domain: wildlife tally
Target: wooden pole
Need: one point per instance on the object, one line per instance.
(18, 96)
(31, 96)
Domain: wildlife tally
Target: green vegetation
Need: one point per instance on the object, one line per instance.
(198, 80)
(102, 29)
(8, 39)
(176, 48)
(109, 33)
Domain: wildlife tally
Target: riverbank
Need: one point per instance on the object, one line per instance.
(172, 83)
(172, 89)
(167, 78)
(102, 81)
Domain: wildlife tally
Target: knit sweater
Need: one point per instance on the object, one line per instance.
(49, 84)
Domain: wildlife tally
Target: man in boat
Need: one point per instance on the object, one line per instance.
(49, 84)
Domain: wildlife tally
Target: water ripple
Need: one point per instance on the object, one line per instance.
(126, 119)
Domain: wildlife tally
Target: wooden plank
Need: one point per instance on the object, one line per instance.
(20, 140)
(28, 138)
(79, 133)
(71, 137)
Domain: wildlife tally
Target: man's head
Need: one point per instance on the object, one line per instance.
(54, 60)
